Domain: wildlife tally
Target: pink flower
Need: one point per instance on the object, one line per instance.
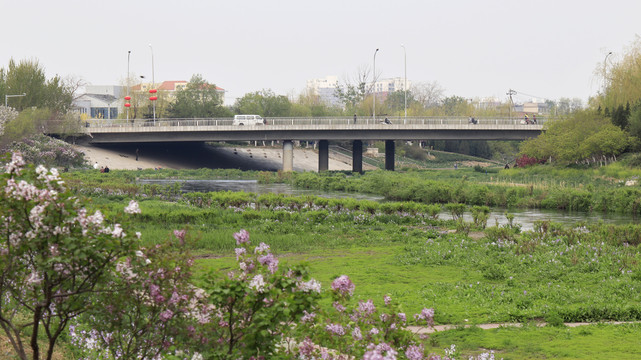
(414, 352)
(356, 334)
(339, 307)
(180, 235)
(262, 248)
(387, 299)
(308, 317)
(335, 329)
(240, 252)
(366, 308)
(166, 315)
(309, 286)
(241, 237)
(306, 348)
(427, 315)
(132, 208)
(343, 285)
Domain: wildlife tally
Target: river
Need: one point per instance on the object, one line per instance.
(524, 217)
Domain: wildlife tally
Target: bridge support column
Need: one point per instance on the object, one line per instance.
(357, 156)
(288, 156)
(390, 150)
(323, 155)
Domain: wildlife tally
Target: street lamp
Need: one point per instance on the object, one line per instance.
(128, 97)
(6, 97)
(405, 61)
(153, 82)
(605, 73)
(374, 83)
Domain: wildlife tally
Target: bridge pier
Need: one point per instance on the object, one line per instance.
(390, 150)
(288, 156)
(323, 155)
(357, 156)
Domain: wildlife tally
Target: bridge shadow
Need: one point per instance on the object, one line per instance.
(191, 155)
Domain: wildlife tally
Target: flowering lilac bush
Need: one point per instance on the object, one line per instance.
(148, 311)
(42, 149)
(54, 256)
(361, 330)
(255, 305)
(7, 114)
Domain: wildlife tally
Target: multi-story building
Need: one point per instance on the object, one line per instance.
(383, 87)
(325, 89)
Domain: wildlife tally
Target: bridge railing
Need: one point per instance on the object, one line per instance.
(308, 121)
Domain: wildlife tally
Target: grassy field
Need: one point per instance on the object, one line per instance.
(487, 276)
(587, 273)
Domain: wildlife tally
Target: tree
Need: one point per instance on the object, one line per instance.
(354, 91)
(198, 99)
(54, 256)
(456, 106)
(395, 102)
(429, 94)
(28, 77)
(578, 137)
(622, 79)
(265, 103)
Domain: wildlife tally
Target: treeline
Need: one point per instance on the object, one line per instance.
(610, 127)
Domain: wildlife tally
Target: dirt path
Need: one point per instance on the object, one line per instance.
(437, 328)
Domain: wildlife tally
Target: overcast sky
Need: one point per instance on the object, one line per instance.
(546, 49)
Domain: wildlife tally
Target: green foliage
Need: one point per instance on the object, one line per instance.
(594, 134)
(28, 77)
(265, 103)
(198, 99)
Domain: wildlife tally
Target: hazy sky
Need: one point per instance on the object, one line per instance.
(547, 49)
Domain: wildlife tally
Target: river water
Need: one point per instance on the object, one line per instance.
(524, 217)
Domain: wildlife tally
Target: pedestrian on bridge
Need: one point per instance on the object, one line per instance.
(354, 118)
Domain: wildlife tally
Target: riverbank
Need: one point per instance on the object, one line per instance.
(196, 156)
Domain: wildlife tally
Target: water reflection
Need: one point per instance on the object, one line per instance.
(524, 217)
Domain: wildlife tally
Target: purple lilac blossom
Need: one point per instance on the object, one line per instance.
(343, 285)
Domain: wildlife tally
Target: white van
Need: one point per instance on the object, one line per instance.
(248, 120)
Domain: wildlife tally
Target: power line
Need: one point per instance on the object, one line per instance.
(530, 95)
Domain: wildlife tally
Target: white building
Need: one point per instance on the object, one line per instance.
(386, 86)
(101, 101)
(325, 89)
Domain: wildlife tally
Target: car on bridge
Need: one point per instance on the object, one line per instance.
(248, 120)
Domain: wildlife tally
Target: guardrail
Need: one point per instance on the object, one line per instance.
(309, 121)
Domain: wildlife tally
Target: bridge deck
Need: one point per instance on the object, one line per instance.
(184, 130)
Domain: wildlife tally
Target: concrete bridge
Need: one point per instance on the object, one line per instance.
(321, 130)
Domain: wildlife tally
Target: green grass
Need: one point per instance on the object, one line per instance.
(600, 341)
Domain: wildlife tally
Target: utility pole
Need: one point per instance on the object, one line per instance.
(510, 93)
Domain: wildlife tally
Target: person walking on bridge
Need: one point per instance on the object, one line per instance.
(354, 118)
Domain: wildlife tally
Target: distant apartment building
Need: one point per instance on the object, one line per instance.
(385, 86)
(325, 89)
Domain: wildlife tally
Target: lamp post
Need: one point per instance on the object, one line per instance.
(153, 83)
(6, 97)
(128, 97)
(374, 83)
(605, 72)
(405, 86)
